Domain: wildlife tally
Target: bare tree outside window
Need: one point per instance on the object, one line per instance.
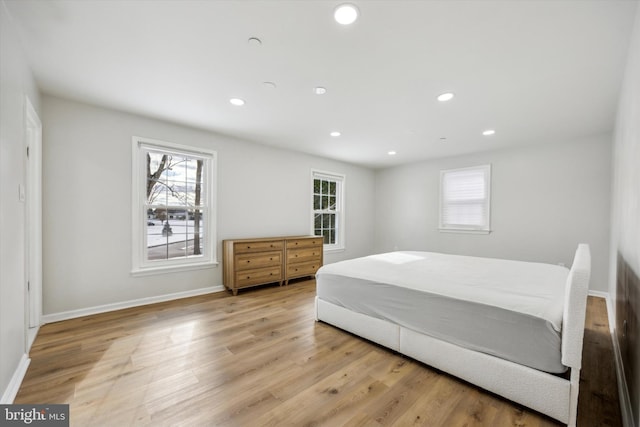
(174, 197)
(173, 194)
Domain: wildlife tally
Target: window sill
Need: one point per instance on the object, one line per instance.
(462, 231)
(149, 271)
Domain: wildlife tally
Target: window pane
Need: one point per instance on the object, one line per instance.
(195, 194)
(176, 193)
(325, 202)
(316, 202)
(326, 221)
(177, 246)
(156, 192)
(317, 220)
(157, 252)
(155, 164)
(316, 186)
(325, 187)
(332, 188)
(465, 198)
(195, 232)
(159, 216)
(191, 170)
(154, 227)
(327, 237)
(332, 203)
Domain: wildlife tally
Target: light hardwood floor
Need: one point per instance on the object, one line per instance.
(260, 359)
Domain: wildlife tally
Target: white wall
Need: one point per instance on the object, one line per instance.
(544, 201)
(626, 168)
(261, 191)
(625, 229)
(16, 82)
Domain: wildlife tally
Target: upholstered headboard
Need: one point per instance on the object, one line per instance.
(575, 307)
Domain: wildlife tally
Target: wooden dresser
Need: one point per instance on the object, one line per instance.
(252, 262)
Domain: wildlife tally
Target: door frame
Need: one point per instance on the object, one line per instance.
(33, 222)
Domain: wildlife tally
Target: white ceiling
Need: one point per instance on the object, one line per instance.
(535, 71)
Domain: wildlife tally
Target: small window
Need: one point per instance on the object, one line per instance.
(465, 199)
(327, 204)
(173, 201)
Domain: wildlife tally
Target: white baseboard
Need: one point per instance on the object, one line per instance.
(11, 391)
(599, 294)
(72, 314)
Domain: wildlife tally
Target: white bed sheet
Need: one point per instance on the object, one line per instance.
(509, 309)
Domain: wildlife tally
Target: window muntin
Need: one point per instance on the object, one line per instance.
(327, 203)
(173, 201)
(465, 199)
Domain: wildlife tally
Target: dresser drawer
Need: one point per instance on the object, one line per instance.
(259, 276)
(257, 246)
(250, 261)
(300, 255)
(305, 242)
(303, 269)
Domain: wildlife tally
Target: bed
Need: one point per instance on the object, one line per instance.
(513, 328)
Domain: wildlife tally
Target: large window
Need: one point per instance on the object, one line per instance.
(173, 201)
(465, 199)
(328, 208)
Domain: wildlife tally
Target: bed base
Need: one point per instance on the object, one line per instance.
(549, 394)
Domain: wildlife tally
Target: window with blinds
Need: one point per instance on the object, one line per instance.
(465, 199)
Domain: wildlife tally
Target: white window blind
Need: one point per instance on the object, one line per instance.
(465, 199)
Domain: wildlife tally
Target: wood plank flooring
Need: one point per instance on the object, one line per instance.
(260, 359)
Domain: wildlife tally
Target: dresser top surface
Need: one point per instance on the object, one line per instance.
(266, 239)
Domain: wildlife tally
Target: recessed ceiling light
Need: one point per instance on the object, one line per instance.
(269, 85)
(443, 139)
(391, 153)
(237, 102)
(319, 90)
(346, 14)
(254, 41)
(445, 97)
(335, 133)
(488, 132)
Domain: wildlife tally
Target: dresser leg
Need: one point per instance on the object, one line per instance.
(235, 292)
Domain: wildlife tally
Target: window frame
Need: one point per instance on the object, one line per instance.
(140, 265)
(340, 180)
(464, 228)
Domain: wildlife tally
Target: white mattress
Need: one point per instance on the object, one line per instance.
(509, 309)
